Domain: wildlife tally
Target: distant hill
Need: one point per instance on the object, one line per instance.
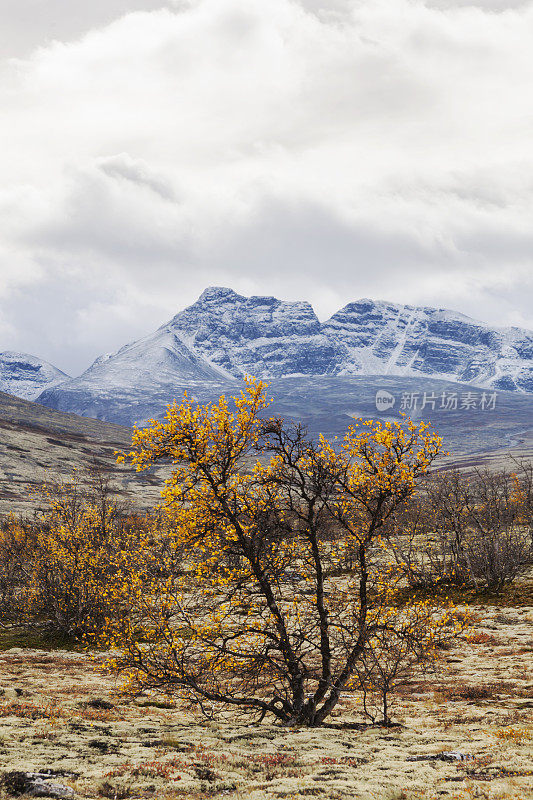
(478, 428)
(38, 444)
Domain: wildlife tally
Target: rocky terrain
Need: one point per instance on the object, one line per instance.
(460, 734)
(224, 336)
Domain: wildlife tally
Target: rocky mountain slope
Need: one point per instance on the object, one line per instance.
(388, 339)
(224, 336)
(259, 336)
(27, 376)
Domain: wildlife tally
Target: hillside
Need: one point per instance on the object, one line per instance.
(37, 444)
(472, 435)
(328, 404)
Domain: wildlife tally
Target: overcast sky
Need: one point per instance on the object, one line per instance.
(325, 150)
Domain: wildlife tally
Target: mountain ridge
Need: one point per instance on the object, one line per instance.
(223, 336)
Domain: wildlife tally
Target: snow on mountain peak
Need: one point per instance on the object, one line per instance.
(255, 335)
(394, 339)
(27, 376)
(224, 336)
(217, 293)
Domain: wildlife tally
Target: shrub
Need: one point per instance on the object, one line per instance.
(516, 735)
(59, 571)
(16, 541)
(482, 638)
(467, 530)
(257, 620)
(413, 636)
(482, 691)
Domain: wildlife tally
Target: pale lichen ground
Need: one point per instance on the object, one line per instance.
(137, 749)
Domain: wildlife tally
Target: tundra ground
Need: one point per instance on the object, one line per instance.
(465, 732)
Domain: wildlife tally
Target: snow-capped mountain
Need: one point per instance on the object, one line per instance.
(378, 338)
(224, 336)
(268, 338)
(156, 369)
(259, 336)
(216, 341)
(26, 376)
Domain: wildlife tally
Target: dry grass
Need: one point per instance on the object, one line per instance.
(483, 638)
(57, 712)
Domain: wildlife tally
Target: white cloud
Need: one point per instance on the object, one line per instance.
(312, 149)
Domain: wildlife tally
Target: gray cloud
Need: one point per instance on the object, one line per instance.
(497, 6)
(122, 166)
(319, 150)
(27, 24)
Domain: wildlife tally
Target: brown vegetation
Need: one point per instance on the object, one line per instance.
(472, 531)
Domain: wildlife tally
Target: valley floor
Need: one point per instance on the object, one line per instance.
(57, 712)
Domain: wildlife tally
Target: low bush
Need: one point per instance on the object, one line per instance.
(59, 571)
(516, 735)
(482, 691)
(482, 638)
(473, 531)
